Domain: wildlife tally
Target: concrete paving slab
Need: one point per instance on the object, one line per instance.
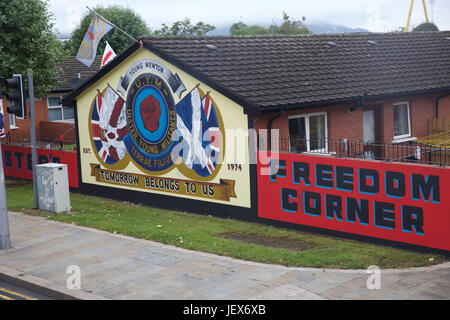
(115, 266)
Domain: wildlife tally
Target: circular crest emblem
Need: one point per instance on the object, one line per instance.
(151, 120)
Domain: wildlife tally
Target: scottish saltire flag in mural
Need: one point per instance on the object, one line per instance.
(109, 126)
(198, 125)
(88, 49)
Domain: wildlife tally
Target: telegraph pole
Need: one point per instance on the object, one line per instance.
(33, 135)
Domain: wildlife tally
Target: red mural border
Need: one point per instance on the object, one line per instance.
(411, 205)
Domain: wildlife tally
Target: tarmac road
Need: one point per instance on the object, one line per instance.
(9, 291)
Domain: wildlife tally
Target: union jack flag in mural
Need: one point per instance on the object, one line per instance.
(198, 125)
(109, 126)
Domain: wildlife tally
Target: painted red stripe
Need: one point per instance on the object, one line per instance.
(207, 104)
(106, 57)
(104, 155)
(95, 130)
(211, 168)
(99, 102)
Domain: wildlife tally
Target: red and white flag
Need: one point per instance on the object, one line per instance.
(108, 55)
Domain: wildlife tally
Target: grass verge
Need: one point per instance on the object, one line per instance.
(237, 239)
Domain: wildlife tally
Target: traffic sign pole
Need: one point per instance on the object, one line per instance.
(33, 135)
(5, 242)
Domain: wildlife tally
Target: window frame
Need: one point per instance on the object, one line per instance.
(307, 127)
(58, 107)
(12, 121)
(409, 134)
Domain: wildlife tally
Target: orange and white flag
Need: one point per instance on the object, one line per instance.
(88, 48)
(108, 55)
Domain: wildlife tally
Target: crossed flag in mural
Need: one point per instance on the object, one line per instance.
(197, 124)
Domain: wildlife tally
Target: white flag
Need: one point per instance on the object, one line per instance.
(108, 55)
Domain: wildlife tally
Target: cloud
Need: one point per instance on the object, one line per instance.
(374, 21)
(74, 15)
(375, 15)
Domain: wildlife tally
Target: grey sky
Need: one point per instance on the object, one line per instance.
(374, 15)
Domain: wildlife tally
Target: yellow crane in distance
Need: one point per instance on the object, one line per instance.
(410, 11)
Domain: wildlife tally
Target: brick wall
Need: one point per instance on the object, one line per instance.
(23, 126)
(444, 107)
(50, 130)
(342, 124)
(46, 130)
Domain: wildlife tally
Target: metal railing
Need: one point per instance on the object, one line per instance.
(53, 143)
(390, 152)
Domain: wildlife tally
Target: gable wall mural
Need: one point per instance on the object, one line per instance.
(148, 126)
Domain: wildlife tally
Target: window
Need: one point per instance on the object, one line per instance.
(12, 121)
(308, 132)
(402, 121)
(56, 112)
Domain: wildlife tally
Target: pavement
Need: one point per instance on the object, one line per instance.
(115, 266)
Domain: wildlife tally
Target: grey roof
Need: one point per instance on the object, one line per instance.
(276, 71)
(71, 67)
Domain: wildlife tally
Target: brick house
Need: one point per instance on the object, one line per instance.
(370, 87)
(52, 119)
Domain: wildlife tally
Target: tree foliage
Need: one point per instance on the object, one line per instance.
(124, 18)
(184, 28)
(426, 26)
(240, 28)
(288, 26)
(27, 41)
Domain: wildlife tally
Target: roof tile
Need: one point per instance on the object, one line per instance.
(71, 67)
(271, 71)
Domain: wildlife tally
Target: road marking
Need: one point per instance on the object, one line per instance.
(5, 297)
(15, 294)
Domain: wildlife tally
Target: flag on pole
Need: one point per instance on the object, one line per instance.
(88, 49)
(108, 55)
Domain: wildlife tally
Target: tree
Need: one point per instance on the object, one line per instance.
(125, 18)
(184, 28)
(426, 26)
(27, 41)
(240, 28)
(288, 26)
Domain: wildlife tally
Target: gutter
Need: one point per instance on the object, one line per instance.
(269, 127)
(437, 103)
(349, 100)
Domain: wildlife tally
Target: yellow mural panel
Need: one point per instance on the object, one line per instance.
(151, 127)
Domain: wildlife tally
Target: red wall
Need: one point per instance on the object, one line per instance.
(401, 217)
(17, 162)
